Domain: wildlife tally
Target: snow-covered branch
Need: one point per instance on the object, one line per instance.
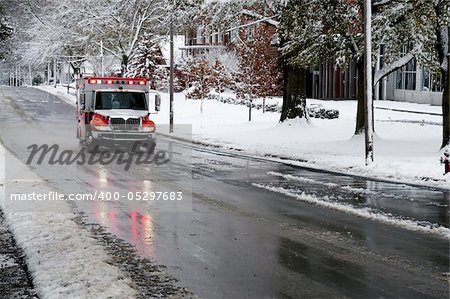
(260, 18)
(386, 70)
(114, 53)
(34, 13)
(381, 2)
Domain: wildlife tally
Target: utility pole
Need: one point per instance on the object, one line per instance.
(16, 76)
(55, 69)
(31, 77)
(171, 73)
(48, 73)
(446, 99)
(101, 58)
(368, 81)
(68, 78)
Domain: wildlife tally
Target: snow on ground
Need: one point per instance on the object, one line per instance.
(406, 144)
(65, 261)
(60, 91)
(366, 213)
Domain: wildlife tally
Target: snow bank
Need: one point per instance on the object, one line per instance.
(406, 144)
(365, 213)
(60, 91)
(65, 261)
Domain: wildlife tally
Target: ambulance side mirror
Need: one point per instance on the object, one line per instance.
(157, 102)
(82, 102)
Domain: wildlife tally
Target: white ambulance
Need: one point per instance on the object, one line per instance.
(115, 111)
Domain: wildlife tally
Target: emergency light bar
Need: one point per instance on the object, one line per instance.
(130, 81)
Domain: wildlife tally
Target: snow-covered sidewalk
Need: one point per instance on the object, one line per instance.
(406, 144)
(14, 278)
(65, 261)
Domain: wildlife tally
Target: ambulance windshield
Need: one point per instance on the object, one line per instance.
(106, 100)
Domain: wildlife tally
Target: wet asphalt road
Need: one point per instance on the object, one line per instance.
(230, 236)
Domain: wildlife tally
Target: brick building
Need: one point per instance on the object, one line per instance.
(200, 40)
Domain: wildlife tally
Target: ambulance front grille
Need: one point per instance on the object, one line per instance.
(120, 124)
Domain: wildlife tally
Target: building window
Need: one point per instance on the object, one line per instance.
(431, 81)
(406, 76)
(381, 55)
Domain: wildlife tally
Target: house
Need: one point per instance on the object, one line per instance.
(322, 82)
(164, 46)
(248, 21)
(411, 83)
(199, 39)
(327, 82)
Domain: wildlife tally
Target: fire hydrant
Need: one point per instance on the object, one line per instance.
(445, 159)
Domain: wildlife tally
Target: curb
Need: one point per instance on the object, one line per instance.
(290, 161)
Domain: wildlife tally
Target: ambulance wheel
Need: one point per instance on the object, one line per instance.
(92, 147)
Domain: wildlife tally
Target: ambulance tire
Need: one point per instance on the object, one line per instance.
(92, 147)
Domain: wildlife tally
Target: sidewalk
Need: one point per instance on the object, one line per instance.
(15, 280)
(48, 234)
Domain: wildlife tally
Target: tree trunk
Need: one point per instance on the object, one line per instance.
(294, 93)
(443, 36)
(446, 106)
(360, 111)
(124, 65)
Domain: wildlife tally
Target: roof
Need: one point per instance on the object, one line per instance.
(259, 19)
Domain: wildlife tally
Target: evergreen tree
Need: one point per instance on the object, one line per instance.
(145, 60)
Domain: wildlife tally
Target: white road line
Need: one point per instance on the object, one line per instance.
(32, 101)
(19, 100)
(44, 101)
